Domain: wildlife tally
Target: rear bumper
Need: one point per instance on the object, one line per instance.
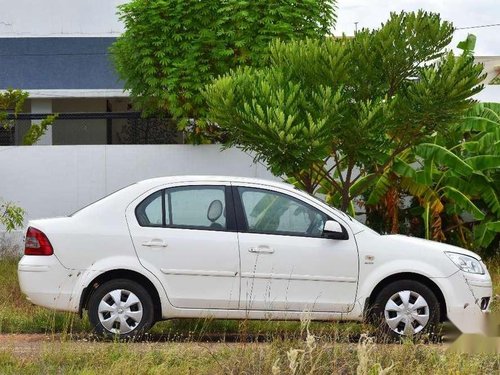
(45, 282)
(470, 301)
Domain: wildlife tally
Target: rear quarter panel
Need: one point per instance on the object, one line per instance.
(96, 232)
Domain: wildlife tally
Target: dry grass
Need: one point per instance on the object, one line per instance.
(309, 356)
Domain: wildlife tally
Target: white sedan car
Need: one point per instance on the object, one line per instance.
(241, 248)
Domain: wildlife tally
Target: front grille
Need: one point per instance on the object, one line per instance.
(485, 301)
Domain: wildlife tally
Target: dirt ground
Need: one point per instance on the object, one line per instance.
(33, 345)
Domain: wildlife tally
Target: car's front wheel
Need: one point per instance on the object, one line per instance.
(406, 308)
(121, 308)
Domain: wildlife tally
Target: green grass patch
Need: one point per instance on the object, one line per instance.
(18, 315)
(494, 269)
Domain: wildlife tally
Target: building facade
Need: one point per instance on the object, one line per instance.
(58, 51)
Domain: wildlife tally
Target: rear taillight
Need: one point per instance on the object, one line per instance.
(37, 243)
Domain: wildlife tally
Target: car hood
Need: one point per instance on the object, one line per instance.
(427, 245)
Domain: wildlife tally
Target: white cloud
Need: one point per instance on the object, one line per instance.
(463, 13)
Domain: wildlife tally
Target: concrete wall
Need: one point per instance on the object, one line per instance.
(27, 18)
(57, 180)
(490, 93)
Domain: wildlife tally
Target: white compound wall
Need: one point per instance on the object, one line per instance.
(49, 181)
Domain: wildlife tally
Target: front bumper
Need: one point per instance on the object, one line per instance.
(468, 301)
(45, 282)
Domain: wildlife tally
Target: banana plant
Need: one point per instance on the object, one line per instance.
(455, 179)
(481, 148)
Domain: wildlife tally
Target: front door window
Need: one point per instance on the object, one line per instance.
(274, 213)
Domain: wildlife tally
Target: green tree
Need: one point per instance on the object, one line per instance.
(12, 102)
(454, 181)
(172, 48)
(336, 113)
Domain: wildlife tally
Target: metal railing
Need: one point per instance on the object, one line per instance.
(87, 128)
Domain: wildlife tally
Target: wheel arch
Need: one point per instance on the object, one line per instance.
(122, 274)
(407, 276)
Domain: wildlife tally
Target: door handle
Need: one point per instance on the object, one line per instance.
(155, 243)
(261, 249)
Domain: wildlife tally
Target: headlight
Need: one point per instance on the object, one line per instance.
(466, 263)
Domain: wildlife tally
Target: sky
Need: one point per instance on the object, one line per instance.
(463, 13)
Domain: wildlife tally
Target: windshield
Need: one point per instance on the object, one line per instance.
(322, 199)
(354, 221)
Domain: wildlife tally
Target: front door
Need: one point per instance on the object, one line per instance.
(286, 264)
(186, 235)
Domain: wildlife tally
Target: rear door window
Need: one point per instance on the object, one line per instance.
(190, 207)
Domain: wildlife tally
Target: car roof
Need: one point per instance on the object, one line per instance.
(225, 179)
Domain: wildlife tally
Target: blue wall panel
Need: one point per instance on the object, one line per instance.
(57, 63)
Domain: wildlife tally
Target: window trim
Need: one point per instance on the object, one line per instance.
(163, 219)
(136, 209)
(242, 220)
(166, 199)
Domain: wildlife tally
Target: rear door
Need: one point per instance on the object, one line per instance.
(187, 235)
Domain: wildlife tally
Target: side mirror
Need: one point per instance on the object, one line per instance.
(334, 231)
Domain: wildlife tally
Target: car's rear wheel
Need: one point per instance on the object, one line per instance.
(121, 308)
(406, 308)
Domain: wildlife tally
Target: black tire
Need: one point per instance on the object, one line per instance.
(404, 328)
(132, 327)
